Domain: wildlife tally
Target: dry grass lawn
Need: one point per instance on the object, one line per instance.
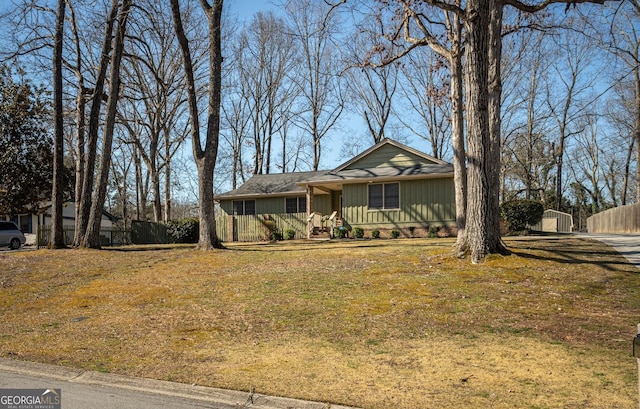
(374, 323)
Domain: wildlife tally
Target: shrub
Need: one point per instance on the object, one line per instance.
(518, 214)
(433, 231)
(395, 234)
(184, 230)
(358, 232)
(340, 232)
(271, 230)
(375, 234)
(289, 234)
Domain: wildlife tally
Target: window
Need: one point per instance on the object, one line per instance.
(296, 204)
(24, 222)
(244, 207)
(384, 196)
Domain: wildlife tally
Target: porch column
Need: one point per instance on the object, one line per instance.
(309, 211)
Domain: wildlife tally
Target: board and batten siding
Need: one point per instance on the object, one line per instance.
(276, 205)
(388, 156)
(426, 202)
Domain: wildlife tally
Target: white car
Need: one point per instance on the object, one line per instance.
(11, 235)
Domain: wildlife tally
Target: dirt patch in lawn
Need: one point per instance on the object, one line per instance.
(371, 323)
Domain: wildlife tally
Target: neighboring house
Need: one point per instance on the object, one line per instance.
(30, 223)
(388, 187)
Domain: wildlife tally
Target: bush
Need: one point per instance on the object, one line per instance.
(519, 214)
(184, 230)
(340, 232)
(433, 231)
(289, 234)
(271, 231)
(375, 234)
(358, 232)
(395, 234)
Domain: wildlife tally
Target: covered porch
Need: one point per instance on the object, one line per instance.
(322, 220)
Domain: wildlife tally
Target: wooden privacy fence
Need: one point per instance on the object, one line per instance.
(623, 219)
(260, 227)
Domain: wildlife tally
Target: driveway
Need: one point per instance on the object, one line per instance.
(628, 245)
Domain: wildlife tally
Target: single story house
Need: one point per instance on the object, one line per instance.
(30, 223)
(390, 186)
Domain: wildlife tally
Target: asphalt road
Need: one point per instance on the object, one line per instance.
(83, 396)
(96, 390)
(628, 245)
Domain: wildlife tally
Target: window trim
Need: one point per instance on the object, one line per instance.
(299, 208)
(244, 207)
(384, 197)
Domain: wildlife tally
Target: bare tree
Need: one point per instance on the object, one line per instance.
(322, 102)
(205, 157)
(622, 39)
(620, 113)
(372, 87)
(417, 27)
(483, 24)
(426, 93)
(572, 68)
(266, 58)
(92, 235)
(154, 99)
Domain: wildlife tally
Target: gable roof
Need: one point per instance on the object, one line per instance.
(271, 184)
(385, 161)
(384, 144)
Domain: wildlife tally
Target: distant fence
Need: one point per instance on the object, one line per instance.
(623, 219)
(109, 236)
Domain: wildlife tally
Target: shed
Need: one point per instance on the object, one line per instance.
(554, 221)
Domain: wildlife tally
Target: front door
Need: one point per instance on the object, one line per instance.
(336, 202)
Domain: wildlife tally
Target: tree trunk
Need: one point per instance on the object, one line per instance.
(57, 234)
(636, 129)
(493, 166)
(167, 178)
(94, 123)
(80, 122)
(92, 236)
(459, 154)
(205, 158)
(483, 230)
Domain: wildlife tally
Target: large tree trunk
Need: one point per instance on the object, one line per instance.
(57, 234)
(483, 230)
(92, 236)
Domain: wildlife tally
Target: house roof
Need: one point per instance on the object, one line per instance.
(388, 160)
(383, 173)
(272, 184)
(384, 143)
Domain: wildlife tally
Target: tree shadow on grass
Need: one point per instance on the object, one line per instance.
(571, 250)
